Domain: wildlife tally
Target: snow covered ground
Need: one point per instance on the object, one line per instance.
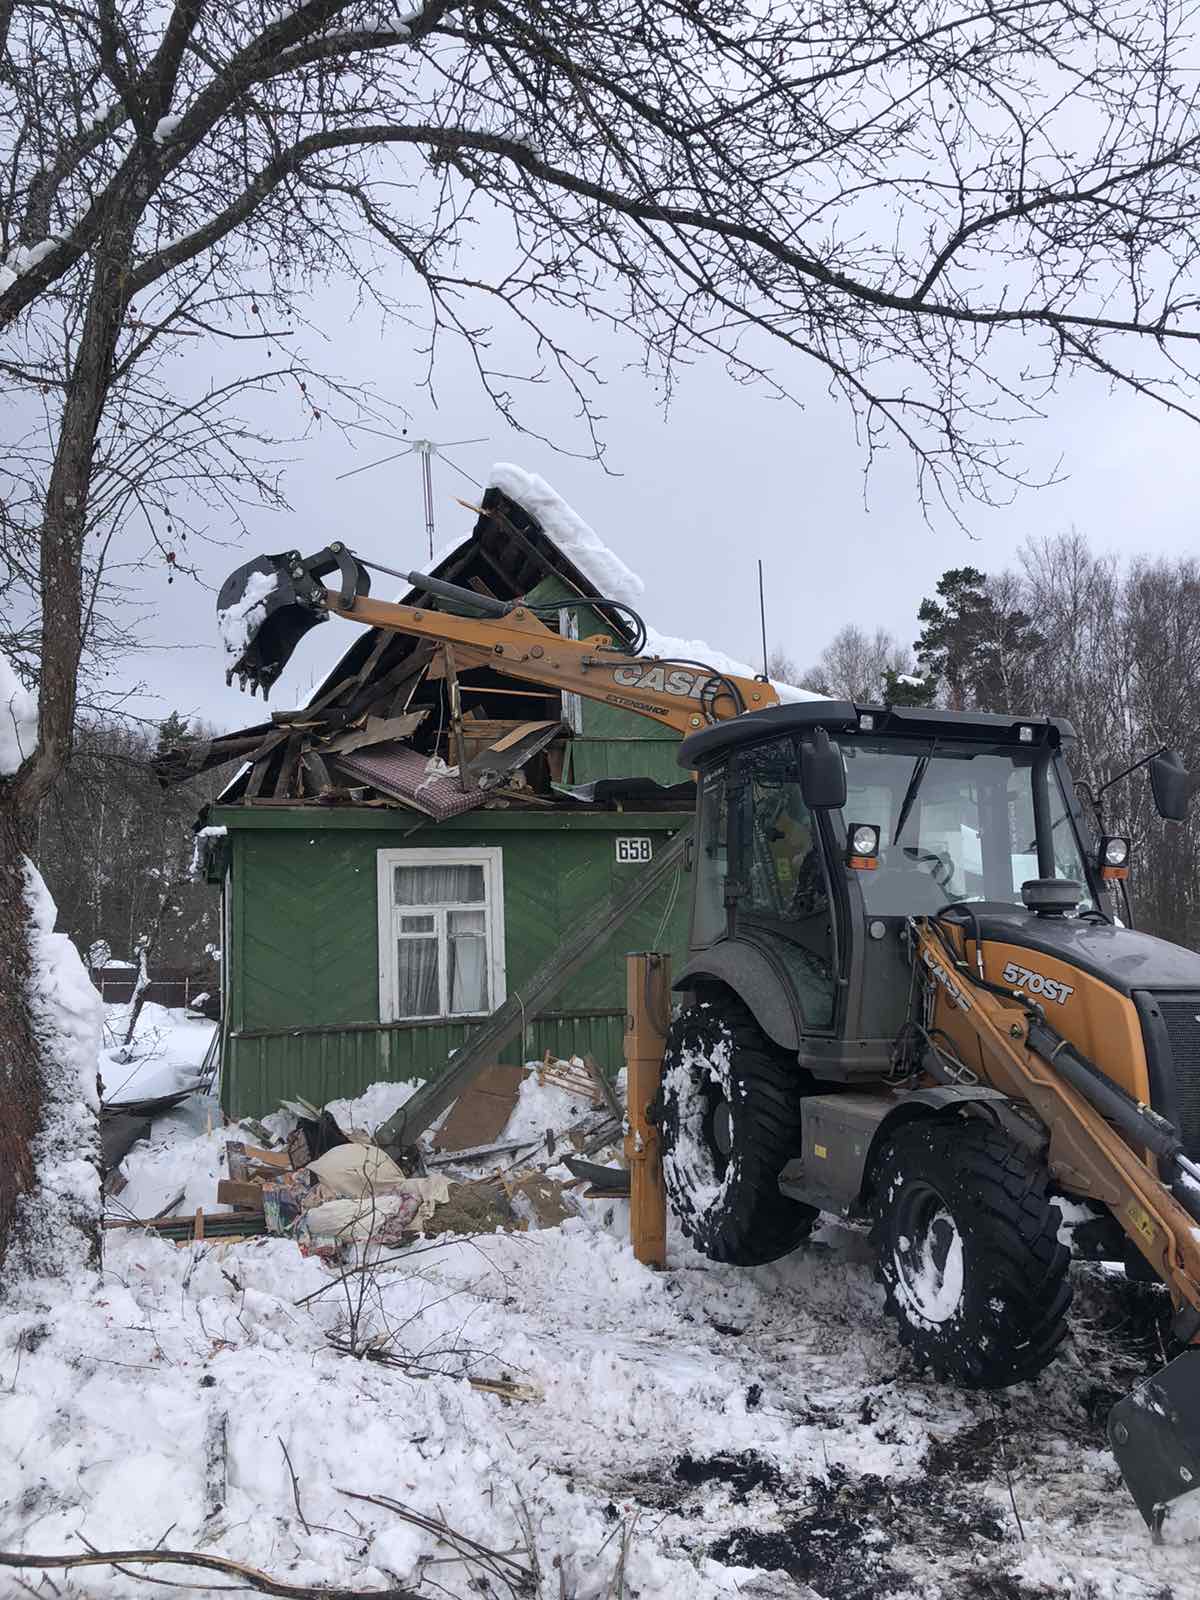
(738, 1432)
(164, 1056)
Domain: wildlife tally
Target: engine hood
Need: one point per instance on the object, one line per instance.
(1120, 957)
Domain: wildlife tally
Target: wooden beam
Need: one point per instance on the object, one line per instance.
(288, 767)
(498, 572)
(591, 935)
(647, 1017)
(257, 776)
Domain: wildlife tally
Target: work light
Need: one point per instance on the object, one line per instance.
(862, 845)
(1114, 856)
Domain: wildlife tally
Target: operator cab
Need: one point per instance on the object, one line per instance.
(935, 808)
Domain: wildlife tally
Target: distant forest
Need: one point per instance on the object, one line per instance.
(1111, 644)
(115, 847)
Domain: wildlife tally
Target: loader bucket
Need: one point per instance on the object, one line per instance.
(263, 614)
(1155, 1435)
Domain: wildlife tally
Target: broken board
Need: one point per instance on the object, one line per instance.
(482, 1110)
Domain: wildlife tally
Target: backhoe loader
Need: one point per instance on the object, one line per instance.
(909, 997)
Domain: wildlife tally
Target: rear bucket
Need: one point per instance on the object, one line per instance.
(1155, 1435)
(262, 618)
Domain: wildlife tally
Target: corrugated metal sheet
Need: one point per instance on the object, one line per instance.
(341, 1064)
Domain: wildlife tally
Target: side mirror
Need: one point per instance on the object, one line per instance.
(822, 773)
(1171, 785)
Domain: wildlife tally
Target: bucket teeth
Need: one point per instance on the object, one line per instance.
(1154, 1433)
(264, 610)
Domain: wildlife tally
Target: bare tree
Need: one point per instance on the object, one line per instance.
(899, 196)
(781, 668)
(854, 665)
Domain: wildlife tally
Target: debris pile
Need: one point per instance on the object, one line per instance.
(507, 1155)
(436, 731)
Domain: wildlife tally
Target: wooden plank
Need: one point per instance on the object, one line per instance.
(306, 713)
(605, 1089)
(232, 1192)
(543, 563)
(289, 767)
(412, 667)
(257, 776)
(506, 1022)
(368, 667)
(482, 1110)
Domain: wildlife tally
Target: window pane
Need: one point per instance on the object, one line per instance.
(417, 924)
(453, 884)
(467, 947)
(417, 978)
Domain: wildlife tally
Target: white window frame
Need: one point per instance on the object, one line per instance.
(491, 859)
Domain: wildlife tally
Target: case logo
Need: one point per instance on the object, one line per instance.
(666, 680)
(1035, 983)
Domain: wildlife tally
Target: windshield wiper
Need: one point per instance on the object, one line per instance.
(910, 794)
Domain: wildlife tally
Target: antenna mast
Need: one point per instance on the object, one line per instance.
(762, 617)
(426, 449)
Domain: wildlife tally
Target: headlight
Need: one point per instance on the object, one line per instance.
(1114, 854)
(862, 845)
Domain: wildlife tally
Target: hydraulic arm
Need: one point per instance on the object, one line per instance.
(267, 606)
(1103, 1146)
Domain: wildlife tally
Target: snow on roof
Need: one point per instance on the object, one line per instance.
(611, 577)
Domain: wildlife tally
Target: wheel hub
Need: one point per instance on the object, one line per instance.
(928, 1255)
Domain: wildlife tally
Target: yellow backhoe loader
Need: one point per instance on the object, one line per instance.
(908, 997)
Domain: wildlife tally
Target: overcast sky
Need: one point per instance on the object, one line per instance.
(694, 498)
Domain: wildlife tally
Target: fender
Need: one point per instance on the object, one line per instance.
(844, 1133)
(757, 982)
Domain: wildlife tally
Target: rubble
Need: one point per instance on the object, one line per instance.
(332, 1189)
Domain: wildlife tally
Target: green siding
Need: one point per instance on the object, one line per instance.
(305, 956)
(614, 743)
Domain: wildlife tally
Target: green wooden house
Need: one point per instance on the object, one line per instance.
(372, 911)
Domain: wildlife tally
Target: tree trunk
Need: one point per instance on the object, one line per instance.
(33, 1088)
(20, 1079)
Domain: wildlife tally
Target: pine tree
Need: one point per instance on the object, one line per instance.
(978, 642)
(906, 689)
(951, 631)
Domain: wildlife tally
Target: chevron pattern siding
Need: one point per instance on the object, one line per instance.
(304, 954)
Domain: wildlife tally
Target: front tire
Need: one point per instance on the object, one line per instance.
(967, 1239)
(730, 1122)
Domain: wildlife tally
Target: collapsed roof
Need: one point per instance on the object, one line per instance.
(395, 725)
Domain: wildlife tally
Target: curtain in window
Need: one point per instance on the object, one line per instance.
(417, 978)
(455, 884)
(466, 938)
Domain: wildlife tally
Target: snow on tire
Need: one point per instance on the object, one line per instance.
(967, 1240)
(730, 1122)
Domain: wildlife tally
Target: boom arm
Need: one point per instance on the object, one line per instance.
(1018, 1053)
(266, 607)
(519, 644)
